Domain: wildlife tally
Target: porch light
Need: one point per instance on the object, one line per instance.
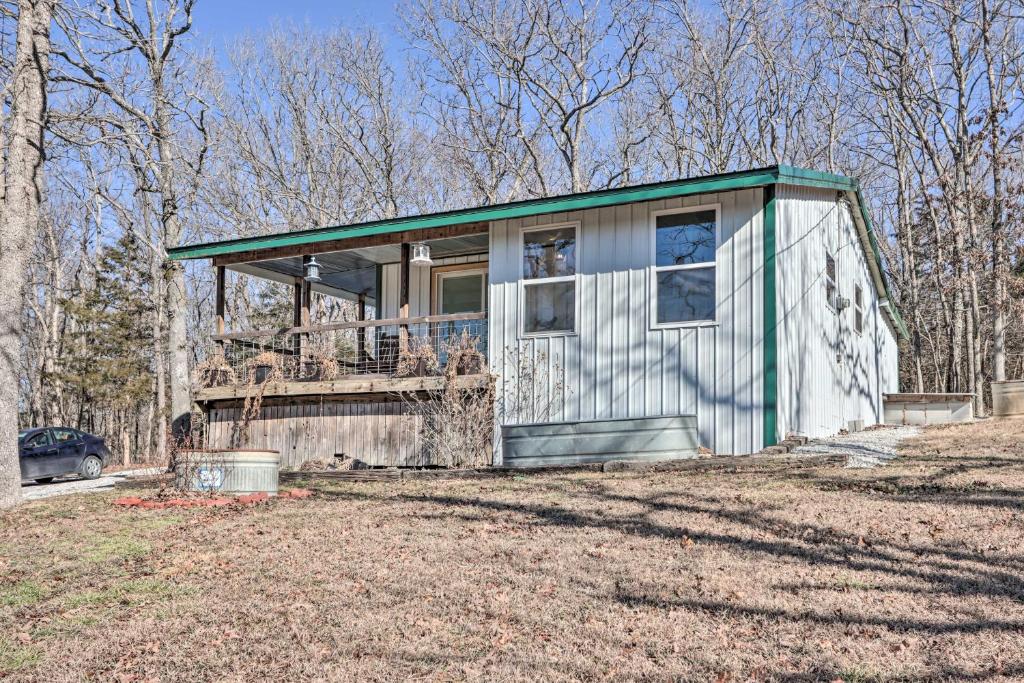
(420, 255)
(312, 269)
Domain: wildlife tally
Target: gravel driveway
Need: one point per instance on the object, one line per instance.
(62, 487)
(869, 448)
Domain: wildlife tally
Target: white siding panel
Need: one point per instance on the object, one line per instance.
(618, 365)
(828, 374)
(420, 288)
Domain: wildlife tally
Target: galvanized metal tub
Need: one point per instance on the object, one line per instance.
(240, 470)
(928, 409)
(1008, 398)
(589, 441)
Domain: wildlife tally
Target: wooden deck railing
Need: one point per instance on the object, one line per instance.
(387, 347)
(351, 325)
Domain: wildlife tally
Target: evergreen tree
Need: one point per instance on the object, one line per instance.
(109, 359)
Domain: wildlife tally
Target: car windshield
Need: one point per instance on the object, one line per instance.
(22, 434)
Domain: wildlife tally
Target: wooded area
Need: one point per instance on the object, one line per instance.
(153, 139)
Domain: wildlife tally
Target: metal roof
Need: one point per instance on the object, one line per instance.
(723, 182)
(530, 207)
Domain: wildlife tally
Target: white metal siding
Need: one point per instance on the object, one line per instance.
(419, 285)
(828, 374)
(618, 365)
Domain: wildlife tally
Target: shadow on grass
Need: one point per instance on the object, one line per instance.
(745, 529)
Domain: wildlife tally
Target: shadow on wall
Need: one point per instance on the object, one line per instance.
(828, 373)
(618, 366)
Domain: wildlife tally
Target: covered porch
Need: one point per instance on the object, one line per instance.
(401, 314)
(338, 385)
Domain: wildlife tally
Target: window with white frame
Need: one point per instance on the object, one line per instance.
(549, 280)
(684, 266)
(831, 290)
(858, 309)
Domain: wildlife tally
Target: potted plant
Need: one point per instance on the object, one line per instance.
(265, 367)
(215, 371)
(417, 359)
(320, 366)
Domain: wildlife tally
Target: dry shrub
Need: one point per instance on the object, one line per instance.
(536, 390)
(457, 422)
(464, 355)
(266, 360)
(254, 391)
(325, 363)
(417, 359)
(214, 372)
(210, 471)
(185, 470)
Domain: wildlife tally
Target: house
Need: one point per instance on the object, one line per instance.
(724, 311)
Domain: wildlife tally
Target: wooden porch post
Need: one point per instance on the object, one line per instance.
(403, 296)
(361, 331)
(307, 303)
(297, 314)
(305, 294)
(218, 307)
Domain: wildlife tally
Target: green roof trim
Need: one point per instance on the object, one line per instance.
(724, 182)
(894, 313)
(770, 360)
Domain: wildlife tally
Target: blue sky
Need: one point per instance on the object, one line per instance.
(218, 22)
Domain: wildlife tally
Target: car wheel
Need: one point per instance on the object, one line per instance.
(44, 480)
(91, 467)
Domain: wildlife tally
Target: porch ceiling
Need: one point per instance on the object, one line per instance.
(349, 273)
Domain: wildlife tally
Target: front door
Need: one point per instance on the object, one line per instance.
(460, 289)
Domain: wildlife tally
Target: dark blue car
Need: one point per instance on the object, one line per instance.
(50, 452)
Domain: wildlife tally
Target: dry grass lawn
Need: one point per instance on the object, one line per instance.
(807, 572)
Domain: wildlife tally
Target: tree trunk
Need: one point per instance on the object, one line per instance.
(20, 220)
(999, 256)
(177, 334)
(159, 407)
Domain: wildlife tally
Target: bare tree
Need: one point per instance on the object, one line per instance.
(563, 63)
(19, 222)
(134, 61)
(312, 134)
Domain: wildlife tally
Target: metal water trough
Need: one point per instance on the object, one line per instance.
(928, 409)
(1008, 398)
(239, 471)
(588, 441)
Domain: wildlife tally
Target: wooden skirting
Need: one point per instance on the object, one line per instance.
(381, 434)
(367, 419)
(347, 385)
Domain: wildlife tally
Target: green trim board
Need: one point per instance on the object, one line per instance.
(723, 182)
(894, 314)
(770, 374)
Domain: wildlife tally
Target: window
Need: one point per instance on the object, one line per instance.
(858, 309)
(458, 289)
(831, 291)
(40, 439)
(684, 266)
(64, 435)
(549, 280)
